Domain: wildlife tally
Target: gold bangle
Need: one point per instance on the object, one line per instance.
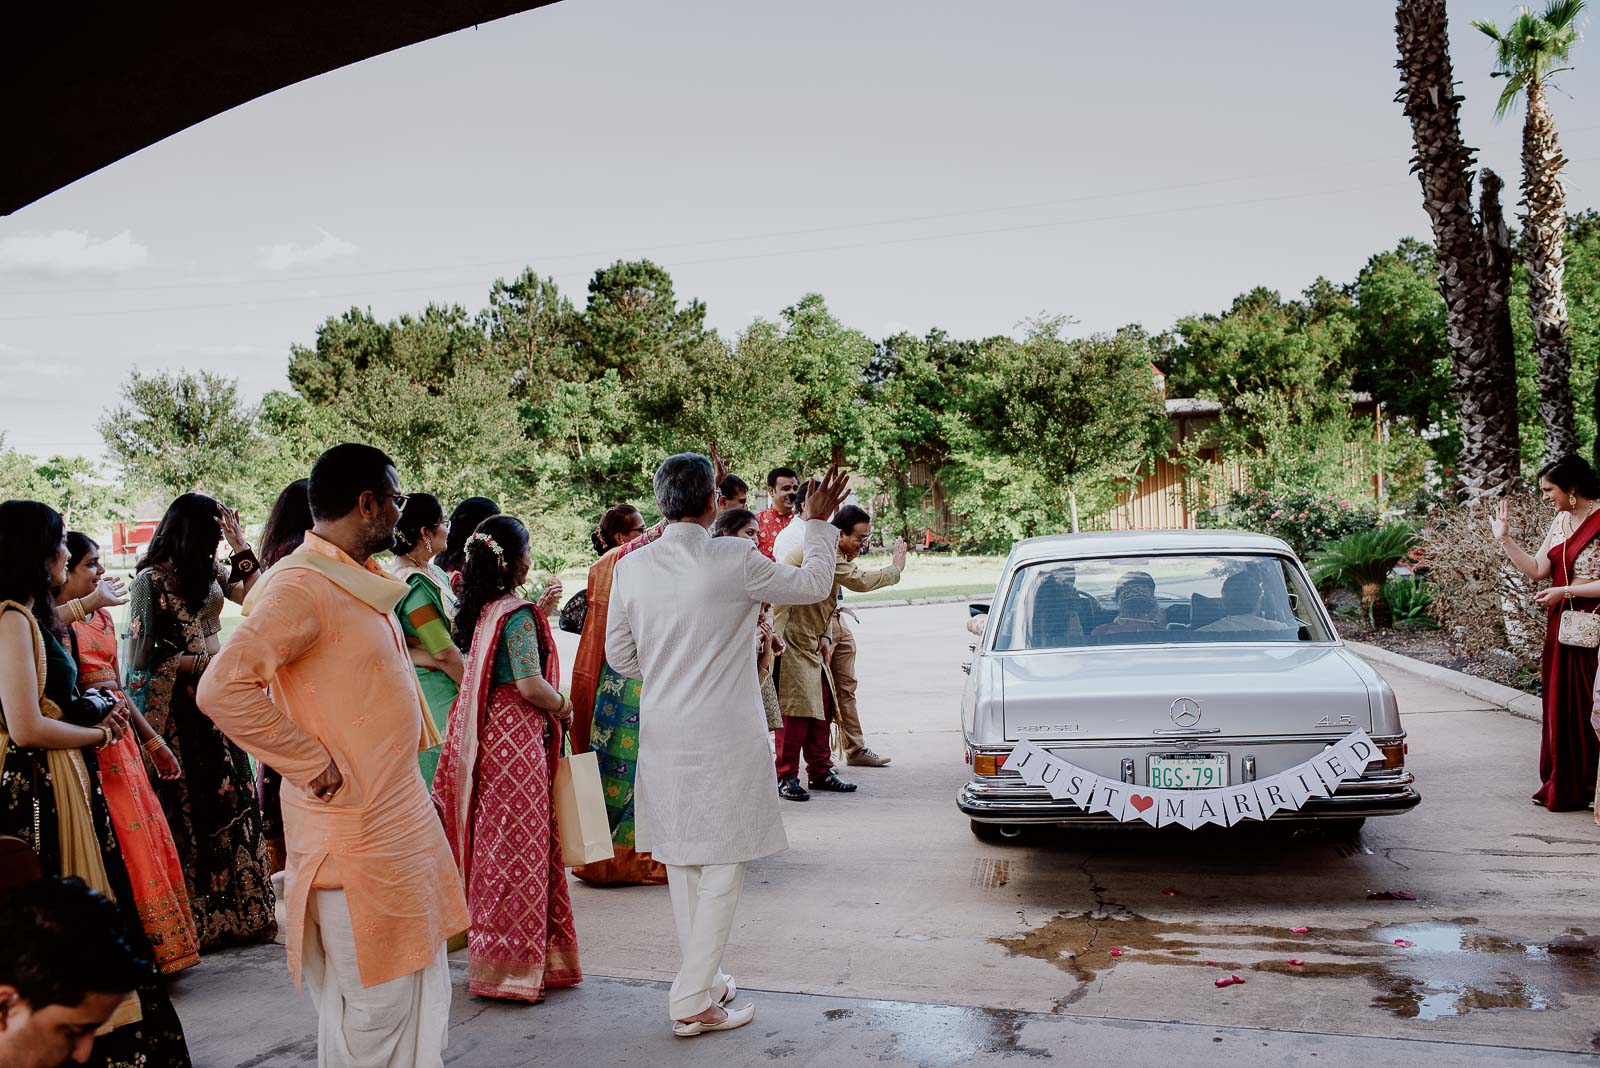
(150, 745)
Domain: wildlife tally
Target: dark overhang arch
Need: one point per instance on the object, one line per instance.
(84, 84)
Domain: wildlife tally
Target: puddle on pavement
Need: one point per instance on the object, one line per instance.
(943, 1036)
(1450, 968)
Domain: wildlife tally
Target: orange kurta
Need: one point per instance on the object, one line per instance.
(342, 688)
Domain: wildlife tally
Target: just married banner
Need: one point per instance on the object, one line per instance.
(1286, 791)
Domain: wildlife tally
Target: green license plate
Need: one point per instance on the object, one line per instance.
(1189, 771)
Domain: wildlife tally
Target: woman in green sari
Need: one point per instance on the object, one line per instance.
(427, 611)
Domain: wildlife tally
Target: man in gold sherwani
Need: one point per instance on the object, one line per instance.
(803, 687)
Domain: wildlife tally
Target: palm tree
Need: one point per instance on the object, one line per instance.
(1526, 56)
(1470, 272)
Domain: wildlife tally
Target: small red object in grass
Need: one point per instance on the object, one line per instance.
(1116, 952)
(1225, 982)
(1211, 964)
(1169, 891)
(1391, 895)
(1296, 961)
(1403, 943)
(1300, 930)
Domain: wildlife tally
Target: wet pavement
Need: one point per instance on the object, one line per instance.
(888, 934)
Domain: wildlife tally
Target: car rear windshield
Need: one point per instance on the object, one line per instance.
(1154, 600)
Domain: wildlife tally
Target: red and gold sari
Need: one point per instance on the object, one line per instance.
(141, 827)
(492, 789)
(1568, 748)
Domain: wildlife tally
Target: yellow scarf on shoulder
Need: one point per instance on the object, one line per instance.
(377, 591)
(79, 846)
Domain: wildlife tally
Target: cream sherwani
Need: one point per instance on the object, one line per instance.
(682, 612)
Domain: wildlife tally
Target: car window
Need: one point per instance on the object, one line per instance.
(1129, 600)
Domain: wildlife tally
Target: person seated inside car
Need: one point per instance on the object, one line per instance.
(1062, 614)
(1137, 611)
(1241, 606)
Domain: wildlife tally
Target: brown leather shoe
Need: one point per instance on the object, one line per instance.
(868, 759)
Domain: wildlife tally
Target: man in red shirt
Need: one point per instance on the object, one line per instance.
(782, 484)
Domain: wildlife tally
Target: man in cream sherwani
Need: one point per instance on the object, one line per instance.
(683, 619)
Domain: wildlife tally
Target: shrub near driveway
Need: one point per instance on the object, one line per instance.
(1307, 521)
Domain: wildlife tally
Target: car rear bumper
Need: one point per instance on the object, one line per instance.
(1007, 799)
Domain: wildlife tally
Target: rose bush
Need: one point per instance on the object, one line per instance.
(1307, 521)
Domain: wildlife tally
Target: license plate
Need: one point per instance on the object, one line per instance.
(1189, 771)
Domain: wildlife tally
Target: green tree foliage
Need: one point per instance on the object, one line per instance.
(74, 486)
(633, 319)
(528, 327)
(559, 412)
(825, 362)
(1264, 345)
(1399, 352)
(177, 432)
(1079, 412)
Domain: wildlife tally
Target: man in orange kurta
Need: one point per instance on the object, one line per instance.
(373, 891)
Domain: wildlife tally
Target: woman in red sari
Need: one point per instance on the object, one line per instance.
(136, 815)
(1570, 558)
(492, 787)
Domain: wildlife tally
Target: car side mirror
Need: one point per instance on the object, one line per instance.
(978, 608)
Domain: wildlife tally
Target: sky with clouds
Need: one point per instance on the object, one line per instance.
(964, 166)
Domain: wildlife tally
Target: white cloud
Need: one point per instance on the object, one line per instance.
(71, 252)
(281, 257)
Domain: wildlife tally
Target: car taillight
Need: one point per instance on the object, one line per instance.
(1394, 756)
(988, 763)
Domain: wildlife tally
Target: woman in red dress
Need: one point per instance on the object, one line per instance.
(1569, 558)
(492, 788)
(136, 815)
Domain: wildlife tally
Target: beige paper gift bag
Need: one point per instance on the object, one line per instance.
(579, 804)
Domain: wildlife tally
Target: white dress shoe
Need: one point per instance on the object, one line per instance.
(735, 1018)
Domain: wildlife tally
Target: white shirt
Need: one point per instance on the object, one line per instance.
(682, 612)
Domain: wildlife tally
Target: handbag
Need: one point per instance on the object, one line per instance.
(575, 612)
(579, 803)
(1581, 630)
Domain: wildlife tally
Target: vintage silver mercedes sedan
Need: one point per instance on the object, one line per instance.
(1176, 659)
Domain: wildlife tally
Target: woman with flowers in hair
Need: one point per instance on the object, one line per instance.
(492, 788)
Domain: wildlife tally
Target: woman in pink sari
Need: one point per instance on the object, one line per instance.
(492, 788)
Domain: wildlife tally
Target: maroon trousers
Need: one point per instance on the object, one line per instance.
(810, 735)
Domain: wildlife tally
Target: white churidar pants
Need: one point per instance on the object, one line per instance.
(704, 897)
(398, 1024)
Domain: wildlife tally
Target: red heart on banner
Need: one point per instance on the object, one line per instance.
(1141, 801)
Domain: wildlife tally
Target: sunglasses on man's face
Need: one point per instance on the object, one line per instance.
(399, 499)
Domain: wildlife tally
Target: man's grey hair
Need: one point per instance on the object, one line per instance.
(684, 485)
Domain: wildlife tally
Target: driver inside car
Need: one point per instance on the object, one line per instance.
(1241, 605)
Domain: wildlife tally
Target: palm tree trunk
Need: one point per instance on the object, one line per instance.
(1545, 227)
(1072, 507)
(1490, 448)
(1497, 261)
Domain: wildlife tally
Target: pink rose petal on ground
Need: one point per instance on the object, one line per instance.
(1296, 961)
(1169, 891)
(1116, 952)
(1300, 930)
(1211, 964)
(1404, 943)
(1236, 978)
(1225, 982)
